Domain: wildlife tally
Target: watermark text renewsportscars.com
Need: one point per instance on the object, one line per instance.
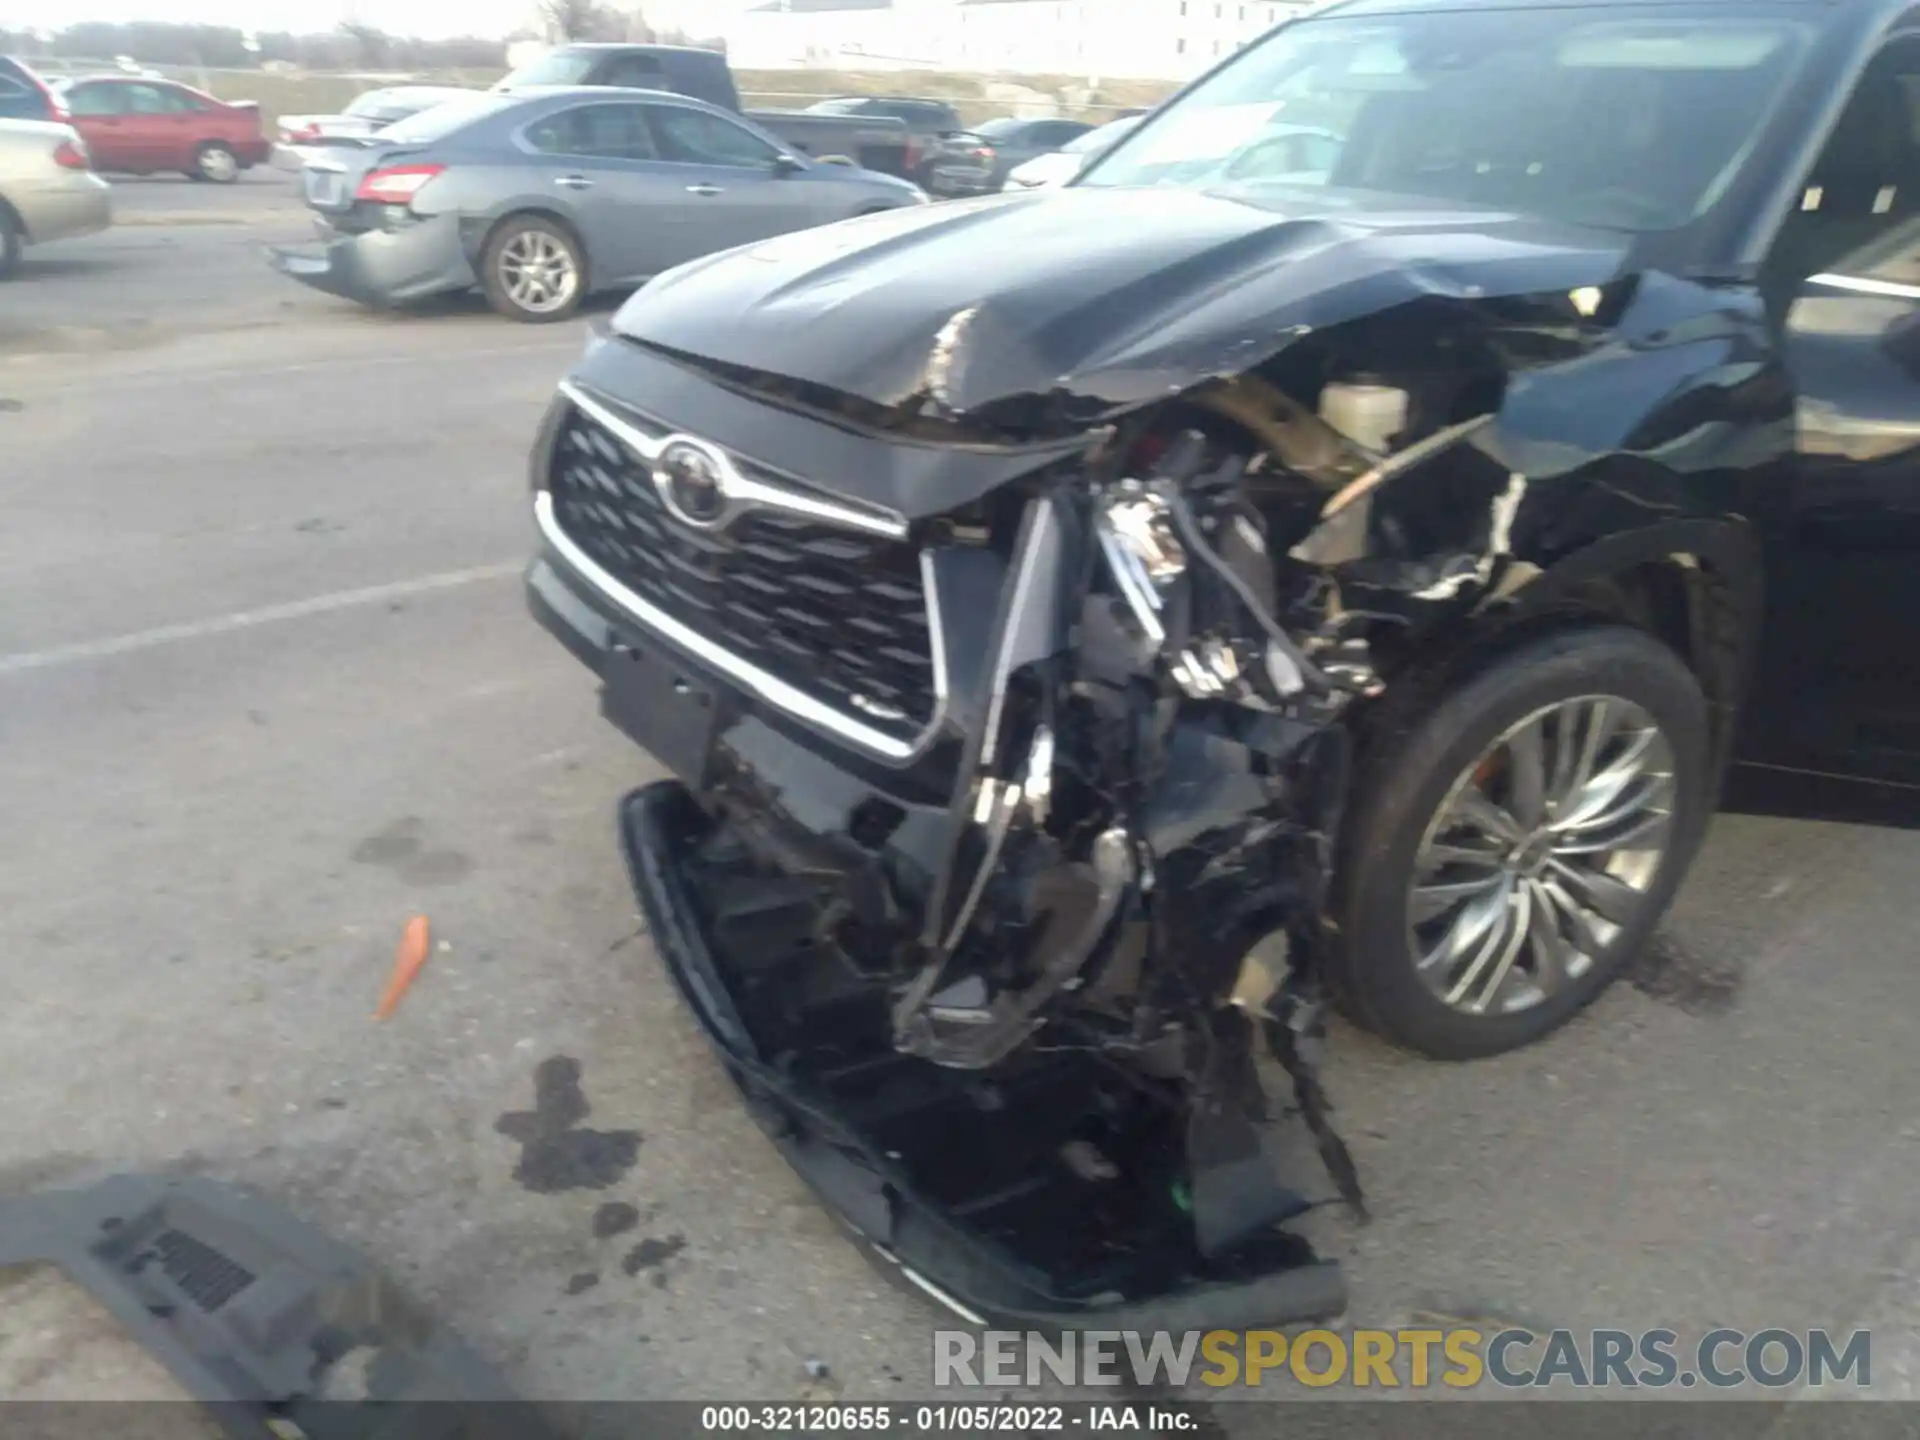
(1460, 1358)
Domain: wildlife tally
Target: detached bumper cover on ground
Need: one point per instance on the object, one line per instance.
(262, 1318)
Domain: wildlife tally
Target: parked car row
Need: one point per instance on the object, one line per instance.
(142, 125)
(539, 196)
(870, 140)
(598, 166)
(548, 187)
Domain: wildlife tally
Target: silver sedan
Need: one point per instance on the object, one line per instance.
(541, 197)
(48, 190)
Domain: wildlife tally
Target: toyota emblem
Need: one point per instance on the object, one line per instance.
(690, 480)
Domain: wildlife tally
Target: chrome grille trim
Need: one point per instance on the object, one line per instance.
(743, 491)
(776, 692)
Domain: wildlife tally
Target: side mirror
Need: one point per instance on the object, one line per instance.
(784, 165)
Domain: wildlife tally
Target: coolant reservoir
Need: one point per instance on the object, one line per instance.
(1365, 411)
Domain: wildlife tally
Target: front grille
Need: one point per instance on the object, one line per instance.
(836, 613)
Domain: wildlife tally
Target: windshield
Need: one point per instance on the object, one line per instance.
(442, 120)
(371, 103)
(556, 67)
(1626, 123)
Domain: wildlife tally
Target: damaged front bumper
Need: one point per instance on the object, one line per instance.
(960, 1186)
(993, 996)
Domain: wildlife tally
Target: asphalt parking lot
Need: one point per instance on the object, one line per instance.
(267, 689)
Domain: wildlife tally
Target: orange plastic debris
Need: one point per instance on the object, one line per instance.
(406, 964)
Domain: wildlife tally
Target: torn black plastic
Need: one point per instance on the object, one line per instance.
(1044, 971)
(277, 1330)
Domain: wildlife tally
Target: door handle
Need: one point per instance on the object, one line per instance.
(574, 182)
(703, 189)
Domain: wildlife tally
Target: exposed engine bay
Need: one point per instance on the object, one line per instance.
(999, 939)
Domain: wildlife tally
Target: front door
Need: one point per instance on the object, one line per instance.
(162, 124)
(1837, 687)
(729, 176)
(599, 167)
(101, 111)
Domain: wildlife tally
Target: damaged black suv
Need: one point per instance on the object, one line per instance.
(1090, 627)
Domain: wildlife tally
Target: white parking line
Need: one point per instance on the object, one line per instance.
(250, 619)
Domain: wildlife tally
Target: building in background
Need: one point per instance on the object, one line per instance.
(1131, 39)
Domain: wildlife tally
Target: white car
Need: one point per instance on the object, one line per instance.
(1043, 172)
(302, 137)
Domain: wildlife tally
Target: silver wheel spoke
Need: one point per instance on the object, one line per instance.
(1550, 966)
(1432, 901)
(1440, 854)
(1526, 775)
(1612, 900)
(1494, 957)
(1472, 807)
(1589, 740)
(1473, 922)
(1512, 899)
(1600, 792)
(1588, 936)
(1638, 825)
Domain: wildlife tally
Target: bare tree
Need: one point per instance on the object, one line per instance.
(370, 43)
(582, 20)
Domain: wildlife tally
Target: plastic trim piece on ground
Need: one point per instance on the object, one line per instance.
(278, 1330)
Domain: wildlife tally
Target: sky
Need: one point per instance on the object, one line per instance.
(429, 19)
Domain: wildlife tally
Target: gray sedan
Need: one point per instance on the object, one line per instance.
(541, 197)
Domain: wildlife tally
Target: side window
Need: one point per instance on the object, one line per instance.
(150, 100)
(96, 100)
(603, 132)
(693, 137)
(642, 72)
(1866, 183)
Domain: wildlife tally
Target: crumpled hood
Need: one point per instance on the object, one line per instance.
(1108, 297)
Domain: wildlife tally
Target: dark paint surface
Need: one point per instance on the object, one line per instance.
(1662, 424)
(1109, 297)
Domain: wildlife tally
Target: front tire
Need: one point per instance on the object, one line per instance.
(1515, 836)
(533, 270)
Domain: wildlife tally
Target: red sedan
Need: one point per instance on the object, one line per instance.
(139, 127)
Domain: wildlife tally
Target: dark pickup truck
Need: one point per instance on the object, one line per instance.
(944, 158)
(1090, 629)
(871, 142)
